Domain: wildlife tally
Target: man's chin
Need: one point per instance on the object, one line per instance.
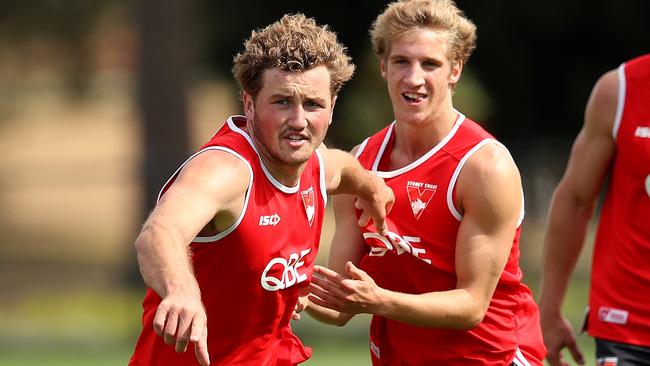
(296, 159)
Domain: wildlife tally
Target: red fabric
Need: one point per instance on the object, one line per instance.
(620, 278)
(247, 290)
(420, 257)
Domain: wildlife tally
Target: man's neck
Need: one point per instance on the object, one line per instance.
(414, 140)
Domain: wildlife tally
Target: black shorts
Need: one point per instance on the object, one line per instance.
(610, 353)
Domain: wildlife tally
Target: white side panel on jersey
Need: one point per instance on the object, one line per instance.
(361, 147)
(268, 175)
(382, 148)
(205, 239)
(620, 105)
(321, 173)
(208, 239)
(519, 359)
(423, 158)
(452, 183)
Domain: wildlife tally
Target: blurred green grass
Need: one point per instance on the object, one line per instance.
(94, 327)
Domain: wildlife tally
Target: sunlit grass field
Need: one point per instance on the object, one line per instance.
(99, 329)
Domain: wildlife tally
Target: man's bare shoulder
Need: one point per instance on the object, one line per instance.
(492, 163)
(600, 111)
(217, 170)
(490, 180)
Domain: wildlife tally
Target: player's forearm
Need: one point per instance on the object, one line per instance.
(328, 316)
(565, 235)
(164, 261)
(454, 309)
(353, 178)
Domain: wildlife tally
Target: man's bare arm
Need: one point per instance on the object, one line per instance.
(346, 176)
(210, 186)
(571, 209)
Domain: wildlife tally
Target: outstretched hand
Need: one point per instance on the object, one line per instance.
(558, 334)
(376, 208)
(181, 319)
(355, 294)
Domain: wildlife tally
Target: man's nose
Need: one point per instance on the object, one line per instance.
(414, 75)
(298, 118)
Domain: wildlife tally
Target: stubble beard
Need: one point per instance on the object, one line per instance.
(277, 157)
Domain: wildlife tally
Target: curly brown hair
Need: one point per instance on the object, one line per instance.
(402, 16)
(294, 43)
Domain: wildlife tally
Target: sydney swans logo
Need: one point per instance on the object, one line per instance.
(308, 202)
(419, 195)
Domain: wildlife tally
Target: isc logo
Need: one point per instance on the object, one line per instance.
(281, 273)
(270, 220)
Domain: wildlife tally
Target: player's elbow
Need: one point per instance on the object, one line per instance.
(474, 319)
(341, 321)
(470, 317)
(141, 242)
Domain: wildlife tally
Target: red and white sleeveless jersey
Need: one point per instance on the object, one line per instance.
(418, 256)
(620, 279)
(250, 274)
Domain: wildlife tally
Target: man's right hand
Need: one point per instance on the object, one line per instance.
(376, 207)
(558, 333)
(181, 319)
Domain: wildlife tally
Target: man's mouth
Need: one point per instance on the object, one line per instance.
(296, 139)
(414, 97)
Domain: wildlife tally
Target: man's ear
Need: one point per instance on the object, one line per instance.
(456, 70)
(382, 68)
(249, 105)
(332, 111)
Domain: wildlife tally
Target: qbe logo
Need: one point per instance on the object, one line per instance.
(281, 273)
(270, 220)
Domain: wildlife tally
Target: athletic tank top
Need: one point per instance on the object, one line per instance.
(250, 274)
(619, 300)
(418, 256)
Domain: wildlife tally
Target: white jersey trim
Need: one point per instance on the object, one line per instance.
(422, 159)
(207, 239)
(323, 187)
(519, 359)
(454, 178)
(275, 182)
(621, 100)
(361, 148)
(382, 148)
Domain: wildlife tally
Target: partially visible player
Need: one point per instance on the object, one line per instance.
(235, 232)
(614, 142)
(444, 285)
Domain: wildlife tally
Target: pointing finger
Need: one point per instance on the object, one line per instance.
(201, 349)
(159, 319)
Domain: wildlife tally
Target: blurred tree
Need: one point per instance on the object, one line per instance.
(165, 63)
(63, 25)
(166, 58)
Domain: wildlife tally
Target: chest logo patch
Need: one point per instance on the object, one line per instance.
(308, 203)
(647, 185)
(610, 315)
(420, 195)
(642, 132)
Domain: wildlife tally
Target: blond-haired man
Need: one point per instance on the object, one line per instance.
(444, 284)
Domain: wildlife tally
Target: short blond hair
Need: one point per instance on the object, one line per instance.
(403, 16)
(294, 43)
